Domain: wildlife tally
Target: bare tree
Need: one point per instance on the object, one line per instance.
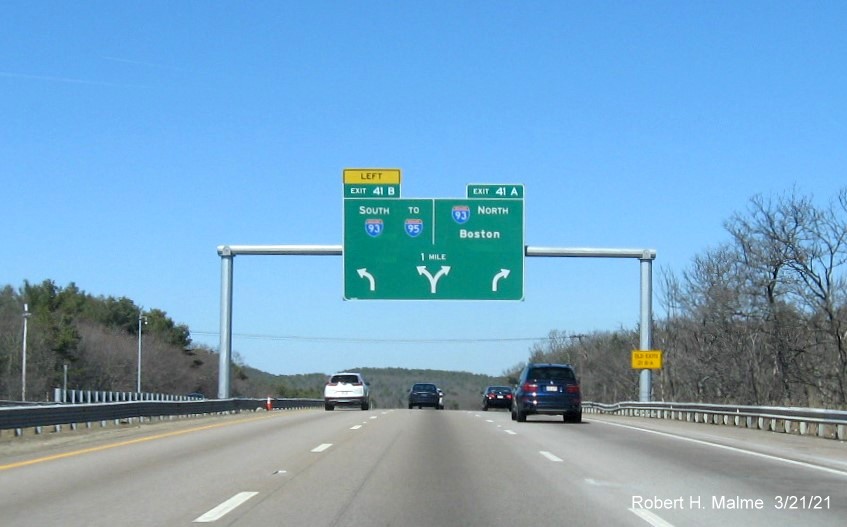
(799, 252)
(108, 360)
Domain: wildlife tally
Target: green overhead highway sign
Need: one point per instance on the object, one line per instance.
(434, 249)
(495, 191)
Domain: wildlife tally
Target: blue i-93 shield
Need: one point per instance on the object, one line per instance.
(461, 214)
(374, 227)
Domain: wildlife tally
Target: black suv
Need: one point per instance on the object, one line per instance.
(425, 394)
(549, 389)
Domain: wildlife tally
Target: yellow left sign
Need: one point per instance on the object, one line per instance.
(371, 176)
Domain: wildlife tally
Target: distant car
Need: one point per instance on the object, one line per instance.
(547, 389)
(347, 389)
(425, 394)
(496, 397)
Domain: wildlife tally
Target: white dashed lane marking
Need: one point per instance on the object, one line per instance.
(224, 508)
(650, 518)
(321, 448)
(550, 456)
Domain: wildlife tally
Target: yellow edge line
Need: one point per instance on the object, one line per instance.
(74, 453)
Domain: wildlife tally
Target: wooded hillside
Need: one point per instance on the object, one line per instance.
(97, 337)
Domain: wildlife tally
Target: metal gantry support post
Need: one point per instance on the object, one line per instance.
(228, 252)
(645, 381)
(226, 322)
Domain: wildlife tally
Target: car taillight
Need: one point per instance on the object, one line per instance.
(529, 387)
(508, 396)
(572, 388)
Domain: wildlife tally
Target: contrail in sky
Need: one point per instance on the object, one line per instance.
(141, 63)
(65, 80)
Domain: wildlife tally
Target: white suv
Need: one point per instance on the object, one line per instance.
(347, 389)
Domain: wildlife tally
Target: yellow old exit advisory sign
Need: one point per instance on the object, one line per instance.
(647, 359)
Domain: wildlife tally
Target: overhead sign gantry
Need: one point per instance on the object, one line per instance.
(468, 248)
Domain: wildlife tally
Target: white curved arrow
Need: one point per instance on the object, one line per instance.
(504, 273)
(433, 280)
(363, 273)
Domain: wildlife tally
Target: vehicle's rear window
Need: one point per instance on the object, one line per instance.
(551, 374)
(424, 388)
(347, 379)
(499, 389)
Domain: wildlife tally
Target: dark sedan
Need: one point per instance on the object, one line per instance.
(424, 394)
(496, 397)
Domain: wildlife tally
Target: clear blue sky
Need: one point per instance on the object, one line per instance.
(136, 137)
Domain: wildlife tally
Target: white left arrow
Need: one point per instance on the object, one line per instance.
(504, 273)
(363, 273)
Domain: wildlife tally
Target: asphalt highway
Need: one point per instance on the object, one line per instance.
(424, 468)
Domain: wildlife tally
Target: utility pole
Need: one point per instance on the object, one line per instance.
(141, 318)
(23, 355)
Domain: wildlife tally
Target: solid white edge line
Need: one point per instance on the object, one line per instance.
(650, 518)
(224, 508)
(731, 448)
(550, 456)
(322, 447)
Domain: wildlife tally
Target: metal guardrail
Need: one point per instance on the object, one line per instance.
(18, 418)
(97, 396)
(831, 424)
